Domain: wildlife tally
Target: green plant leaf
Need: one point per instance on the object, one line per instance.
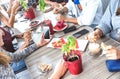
(23, 3)
(41, 5)
(70, 45)
(72, 42)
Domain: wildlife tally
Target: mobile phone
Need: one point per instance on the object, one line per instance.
(80, 33)
(37, 34)
(46, 32)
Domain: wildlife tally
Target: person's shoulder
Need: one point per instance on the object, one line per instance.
(114, 1)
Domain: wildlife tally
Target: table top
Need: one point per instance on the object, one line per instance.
(94, 67)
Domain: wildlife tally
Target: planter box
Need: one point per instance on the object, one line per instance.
(74, 67)
(29, 14)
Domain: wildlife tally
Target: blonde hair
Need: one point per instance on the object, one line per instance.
(4, 59)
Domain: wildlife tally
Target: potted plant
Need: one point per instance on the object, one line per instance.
(72, 56)
(29, 12)
(41, 4)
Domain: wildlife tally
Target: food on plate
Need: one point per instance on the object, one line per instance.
(60, 25)
(58, 43)
(45, 67)
(34, 23)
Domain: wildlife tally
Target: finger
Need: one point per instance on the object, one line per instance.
(108, 47)
(42, 36)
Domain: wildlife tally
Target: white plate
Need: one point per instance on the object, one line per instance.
(82, 44)
(61, 29)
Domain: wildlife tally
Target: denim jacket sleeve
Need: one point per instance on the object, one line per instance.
(106, 21)
(21, 54)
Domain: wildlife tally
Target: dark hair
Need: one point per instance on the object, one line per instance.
(118, 11)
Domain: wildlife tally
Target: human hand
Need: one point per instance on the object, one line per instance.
(11, 2)
(15, 5)
(59, 70)
(42, 41)
(94, 36)
(76, 2)
(61, 18)
(27, 35)
(56, 10)
(55, 4)
(111, 52)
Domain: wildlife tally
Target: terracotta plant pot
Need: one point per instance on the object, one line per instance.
(74, 67)
(29, 13)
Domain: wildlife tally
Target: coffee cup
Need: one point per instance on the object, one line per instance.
(94, 48)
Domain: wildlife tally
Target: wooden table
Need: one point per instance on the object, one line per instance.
(94, 67)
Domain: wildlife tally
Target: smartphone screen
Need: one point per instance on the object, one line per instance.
(37, 34)
(80, 33)
(46, 32)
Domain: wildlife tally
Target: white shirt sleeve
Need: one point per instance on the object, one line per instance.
(69, 5)
(89, 11)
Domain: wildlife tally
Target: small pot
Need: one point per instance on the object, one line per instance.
(29, 13)
(74, 67)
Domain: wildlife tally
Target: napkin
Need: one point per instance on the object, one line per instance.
(113, 65)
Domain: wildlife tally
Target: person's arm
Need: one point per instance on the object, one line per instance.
(9, 7)
(51, 3)
(94, 36)
(59, 70)
(72, 20)
(88, 13)
(21, 54)
(106, 23)
(59, 10)
(10, 22)
(16, 56)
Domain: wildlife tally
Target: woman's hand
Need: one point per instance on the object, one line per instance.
(15, 5)
(111, 52)
(94, 36)
(11, 3)
(59, 70)
(27, 35)
(42, 41)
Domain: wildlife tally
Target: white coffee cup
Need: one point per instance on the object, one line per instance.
(94, 48)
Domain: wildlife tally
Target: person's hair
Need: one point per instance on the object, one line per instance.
(118, 11)
(4, 59)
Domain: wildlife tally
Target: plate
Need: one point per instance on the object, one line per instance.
(57, 43)
(56, 28)
(81, 44)
(34, 23)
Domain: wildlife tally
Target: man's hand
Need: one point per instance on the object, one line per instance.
(94, 36)
(111, 52)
